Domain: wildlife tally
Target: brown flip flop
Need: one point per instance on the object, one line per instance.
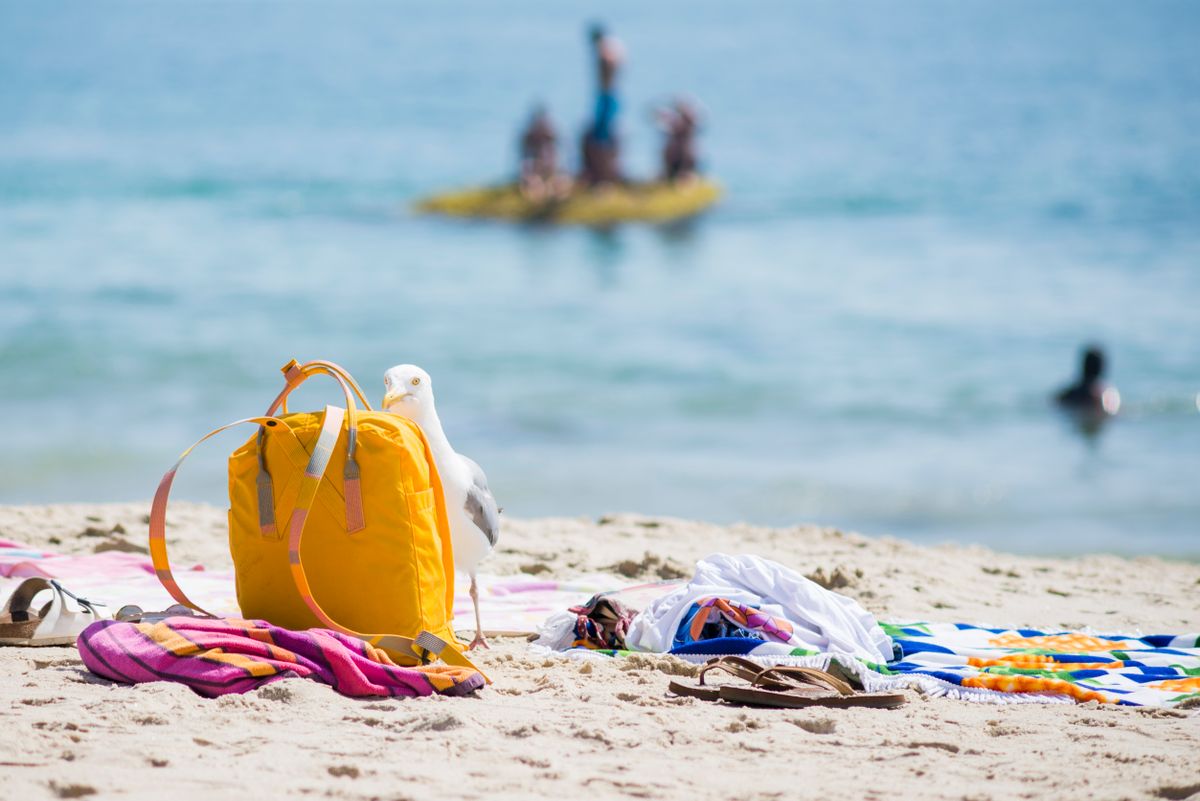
(809, 687)
(786, 687)
(734, 665)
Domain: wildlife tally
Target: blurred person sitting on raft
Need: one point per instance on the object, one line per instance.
(539, 176)
(1090, 399)
(679, 121)
(600, 150)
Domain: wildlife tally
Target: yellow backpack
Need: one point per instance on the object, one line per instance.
(364, 526)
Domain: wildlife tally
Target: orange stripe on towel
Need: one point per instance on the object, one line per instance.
(1034, 684)
(168, 639)
(1170, 685)
(255, 667)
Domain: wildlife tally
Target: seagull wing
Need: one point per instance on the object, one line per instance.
(480, 504)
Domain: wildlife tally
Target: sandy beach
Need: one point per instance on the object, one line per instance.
(555, 727)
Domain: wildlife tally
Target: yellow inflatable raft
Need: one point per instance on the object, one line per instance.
(644, 202)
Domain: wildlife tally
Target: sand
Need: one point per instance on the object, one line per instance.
(561, 728)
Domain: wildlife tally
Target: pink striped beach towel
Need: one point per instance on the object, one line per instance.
(220, 656)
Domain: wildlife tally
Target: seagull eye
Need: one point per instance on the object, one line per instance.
(416, 382)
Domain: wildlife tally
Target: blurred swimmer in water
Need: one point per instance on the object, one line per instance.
(1091, 400)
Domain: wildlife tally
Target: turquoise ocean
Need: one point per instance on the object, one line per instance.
(930, 208)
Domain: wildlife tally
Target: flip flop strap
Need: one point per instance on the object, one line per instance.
(735, 666)
(746, 670)
(796, 676)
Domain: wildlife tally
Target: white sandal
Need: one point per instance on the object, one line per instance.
(56, 623)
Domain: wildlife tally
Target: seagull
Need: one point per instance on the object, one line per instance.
(474, 516)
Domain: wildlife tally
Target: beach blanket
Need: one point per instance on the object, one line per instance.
(508, 604)
(1145, 670)
(217, 656)
(21, 561)
(519, 604)
(114, 578)
(963, 661)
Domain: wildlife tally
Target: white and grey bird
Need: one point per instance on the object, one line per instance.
(474, 516)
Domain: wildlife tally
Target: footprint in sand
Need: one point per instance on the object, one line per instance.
(815, 725)
(951, 747)
(71, 790)
(381, 707)
(366, 721)
(521, 732)
(444, 722)
(276, 691)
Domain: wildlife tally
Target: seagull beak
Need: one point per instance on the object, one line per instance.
(392, 397)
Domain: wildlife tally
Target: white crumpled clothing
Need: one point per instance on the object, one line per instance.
(824, 620)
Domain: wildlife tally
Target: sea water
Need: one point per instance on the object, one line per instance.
(930, 208)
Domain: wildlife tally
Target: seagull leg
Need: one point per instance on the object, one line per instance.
(479, 640)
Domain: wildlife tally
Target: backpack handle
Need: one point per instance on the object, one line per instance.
(295, 374)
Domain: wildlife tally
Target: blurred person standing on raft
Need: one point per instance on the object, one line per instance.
(601, 152)
(679, 121)
(539, 176)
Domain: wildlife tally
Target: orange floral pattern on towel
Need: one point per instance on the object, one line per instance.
(1034, 661)
(1179, 685)
(1059, 642)
(1035, 684)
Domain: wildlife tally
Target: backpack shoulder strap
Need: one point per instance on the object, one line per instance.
(158, 511)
